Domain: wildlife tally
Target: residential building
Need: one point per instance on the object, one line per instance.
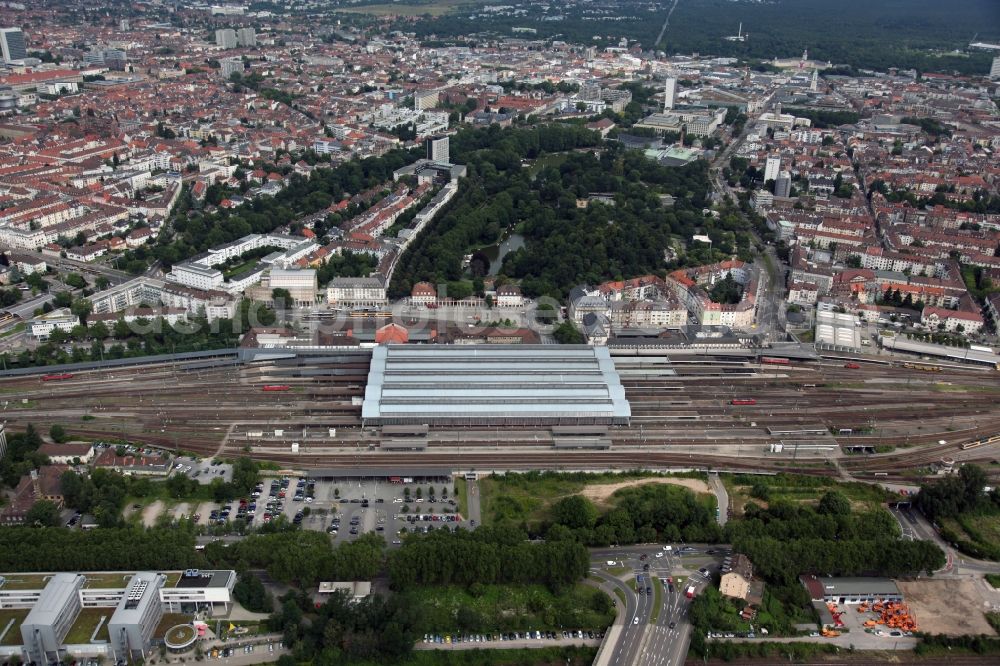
(425, 99)
(196, 275)
(995, 68)
(783, 185)
(951, 320)
(40, 484)
(736, 581)
(226, 38)
(230, 66)
(771, 168)
(246, 37)
(12, 45)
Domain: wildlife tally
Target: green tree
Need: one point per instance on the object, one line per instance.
(575, 511)
(57, 433)
(43, 514)
(834, 503)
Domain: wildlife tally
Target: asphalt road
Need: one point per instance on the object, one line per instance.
(648, 642)
(721, 497)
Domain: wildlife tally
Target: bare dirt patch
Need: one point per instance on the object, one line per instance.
(602, 492)
(151, 512)
(204, 510)
(950, 607)
(181, 510)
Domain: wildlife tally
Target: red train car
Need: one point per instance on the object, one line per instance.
(57, 377)
(772, 360)
(277, 387)
(852, 366)
(743, 401)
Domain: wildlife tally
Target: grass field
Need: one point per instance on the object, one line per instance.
(528, 497)
(435, 8)
(86, 623)
(22, 581)
(551, 159)
(169, 620)
(982, 532)
(450, 609)
(107, 580)
(800, 489)
(13, 635)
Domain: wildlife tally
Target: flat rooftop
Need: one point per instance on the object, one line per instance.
(480, 384)
(205, 578)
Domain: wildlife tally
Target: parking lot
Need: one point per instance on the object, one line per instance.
(347, 508)
(204, 471)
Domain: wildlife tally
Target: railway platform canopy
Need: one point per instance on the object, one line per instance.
(460, 385)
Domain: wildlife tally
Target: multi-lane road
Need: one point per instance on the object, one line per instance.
(651, 628)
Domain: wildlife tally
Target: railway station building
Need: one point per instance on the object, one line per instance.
(493, 385)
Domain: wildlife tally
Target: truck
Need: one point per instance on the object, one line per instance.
(689, 592)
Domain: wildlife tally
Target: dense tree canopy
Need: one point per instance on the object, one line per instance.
(787, 539)
(112, 549)
(490, 555)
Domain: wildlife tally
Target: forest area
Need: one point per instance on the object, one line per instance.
(918, 34)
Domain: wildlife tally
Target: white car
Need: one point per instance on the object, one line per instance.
(660, 554)
(635, 620)
(611, 563)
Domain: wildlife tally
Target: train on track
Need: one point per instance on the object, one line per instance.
(980, 442)
(276, 387)
(774, 360)
(57, 377)
(743, 401)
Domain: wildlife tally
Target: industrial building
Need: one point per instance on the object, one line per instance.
(493, 384)
(136, 617)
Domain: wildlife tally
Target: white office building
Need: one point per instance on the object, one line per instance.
(437, 149)
(136, 617)
(669, 94)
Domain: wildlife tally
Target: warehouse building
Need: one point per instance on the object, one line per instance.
(44, 629)
(851, 590)
(493, 385)
(136, 617)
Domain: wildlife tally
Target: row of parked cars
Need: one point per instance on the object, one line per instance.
(448, 639)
